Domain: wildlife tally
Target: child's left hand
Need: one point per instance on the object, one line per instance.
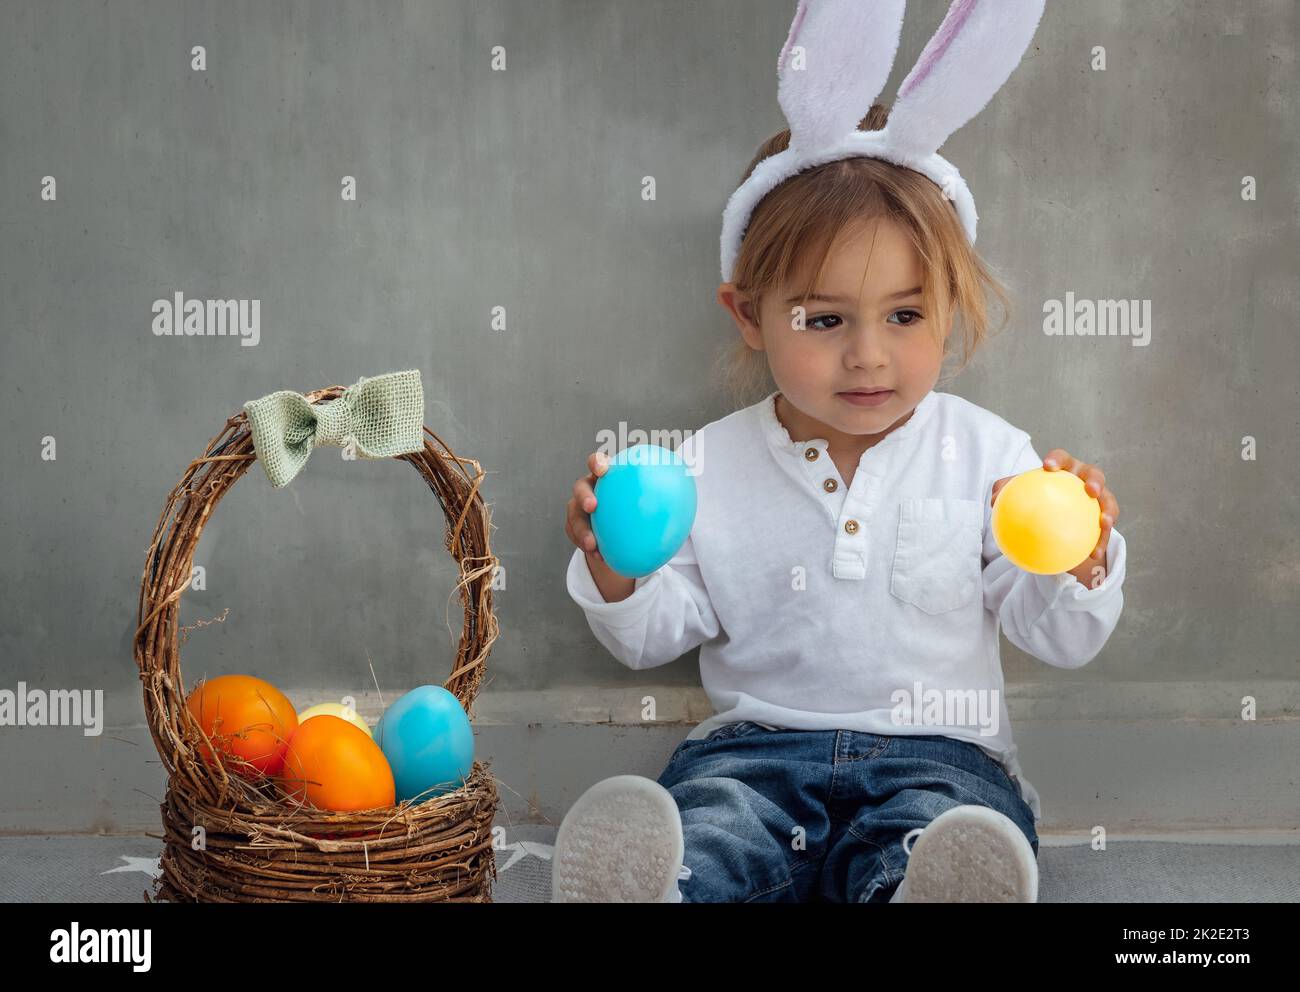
(1092, 570)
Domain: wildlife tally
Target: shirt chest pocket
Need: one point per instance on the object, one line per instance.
(937, 565)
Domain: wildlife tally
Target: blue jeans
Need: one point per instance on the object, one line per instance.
(819, 815)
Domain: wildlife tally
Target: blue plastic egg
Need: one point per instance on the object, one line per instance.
(428, 741)
(645, 506)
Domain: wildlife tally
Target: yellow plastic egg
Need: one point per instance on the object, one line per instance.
(1045, 522)
(335, 709)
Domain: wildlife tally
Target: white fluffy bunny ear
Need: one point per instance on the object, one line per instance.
(975, 49)
(834, 64)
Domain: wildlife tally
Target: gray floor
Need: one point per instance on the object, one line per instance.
(120, 869)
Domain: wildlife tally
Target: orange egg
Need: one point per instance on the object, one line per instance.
(336, 766)
(245, 718)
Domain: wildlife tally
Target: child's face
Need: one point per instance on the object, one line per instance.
(873, 335)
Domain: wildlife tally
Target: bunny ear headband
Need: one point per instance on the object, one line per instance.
(834, 64)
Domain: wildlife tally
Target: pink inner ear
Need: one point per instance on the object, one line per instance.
(794, 30)
(937, 45)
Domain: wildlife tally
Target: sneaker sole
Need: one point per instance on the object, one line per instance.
(620, 842)
(971, 853)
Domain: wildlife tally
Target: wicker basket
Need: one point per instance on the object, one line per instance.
(256, 845)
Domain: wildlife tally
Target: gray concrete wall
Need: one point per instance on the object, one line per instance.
(522, 189)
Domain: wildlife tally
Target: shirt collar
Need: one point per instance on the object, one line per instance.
(780, 441)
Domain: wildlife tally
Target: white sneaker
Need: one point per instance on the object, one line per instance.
(620, 842)
(969, 853)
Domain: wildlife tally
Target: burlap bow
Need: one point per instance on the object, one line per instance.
(383, 416)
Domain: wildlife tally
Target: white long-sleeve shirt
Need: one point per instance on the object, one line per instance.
(873, 607)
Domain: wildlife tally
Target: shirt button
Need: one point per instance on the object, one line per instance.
(810, 454)
(851, 526)
(830, 485)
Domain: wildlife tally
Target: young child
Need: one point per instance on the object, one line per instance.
(840, 577)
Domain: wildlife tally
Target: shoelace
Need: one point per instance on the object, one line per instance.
(683, 873)
(909, 838)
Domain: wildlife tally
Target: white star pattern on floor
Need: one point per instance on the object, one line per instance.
(146, 866)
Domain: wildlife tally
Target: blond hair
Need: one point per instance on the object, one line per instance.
(800, 220)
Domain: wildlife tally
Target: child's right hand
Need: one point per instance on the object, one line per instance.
(577, 524)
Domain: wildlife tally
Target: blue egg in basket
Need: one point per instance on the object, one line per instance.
(428, 741)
